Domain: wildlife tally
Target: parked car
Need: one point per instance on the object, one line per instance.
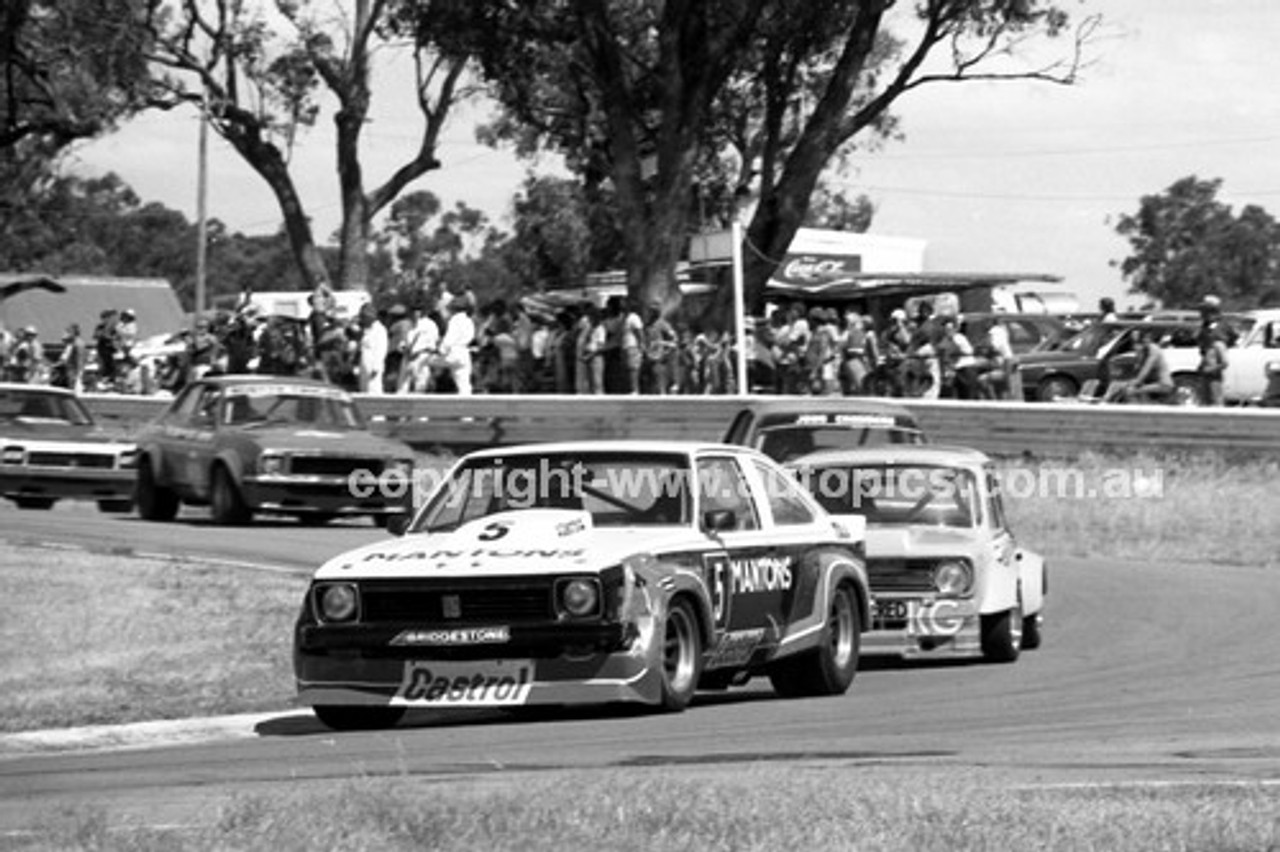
(1101, 353)
(250, 444)
(1026, 331)
(51, 449)
(588, 572)
(786, 427)
(947, 575)
(1256, 336)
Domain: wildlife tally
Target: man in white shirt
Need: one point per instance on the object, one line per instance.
(373, 351)
(455, 345)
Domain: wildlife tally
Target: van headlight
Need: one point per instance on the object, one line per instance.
(271, 464)
(953, 578)
(578, 597)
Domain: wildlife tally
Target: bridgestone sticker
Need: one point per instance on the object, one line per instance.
(483, 683)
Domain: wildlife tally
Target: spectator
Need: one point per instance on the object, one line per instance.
(562, 346)
(632, 354)
(589, 350)
(1154, 380)
(660, 351)
(455, 344)
(69, 371)
(997, 368)
(539, 355)
(373, 350)
(522, 332)
(105, 343)
(955, 361)
(422, 350)
(1106, 309)
(398, 330)
(26, 357)
(858, 355)
(203, 350)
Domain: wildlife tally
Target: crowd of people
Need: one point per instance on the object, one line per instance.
(618, 348)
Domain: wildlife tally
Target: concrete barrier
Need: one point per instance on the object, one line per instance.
(431, 422)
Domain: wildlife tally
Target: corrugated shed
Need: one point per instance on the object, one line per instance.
(83, 301)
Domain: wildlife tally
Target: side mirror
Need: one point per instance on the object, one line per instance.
(719, 520)
(398, 525)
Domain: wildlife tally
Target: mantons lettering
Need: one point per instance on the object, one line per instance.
(478, 553)
(762, 574)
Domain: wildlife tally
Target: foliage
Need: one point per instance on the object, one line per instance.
(1187, 244)
(68, 70)
(656, 100)
(262, 75)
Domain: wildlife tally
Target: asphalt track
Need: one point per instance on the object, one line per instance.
(1150, 674)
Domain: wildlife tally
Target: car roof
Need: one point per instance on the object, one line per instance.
(927, 454)
(827, 405)
(238, 379)
(613, 446)
(23, 386)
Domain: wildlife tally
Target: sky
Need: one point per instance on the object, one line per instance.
(1019, 177)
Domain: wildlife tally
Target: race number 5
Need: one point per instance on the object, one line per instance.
(716, 566)
(493, 531)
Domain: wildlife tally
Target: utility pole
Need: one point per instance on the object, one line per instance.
(202, 227)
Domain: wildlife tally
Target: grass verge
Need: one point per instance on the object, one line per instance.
(751, 808)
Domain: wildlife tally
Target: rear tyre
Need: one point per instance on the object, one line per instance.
(229, 508)
(358, 718)
(1002, 635)
(1032, 631)
(34, 502)
(155, 503)
(681, 656)
(829, 669)
(1057, 388)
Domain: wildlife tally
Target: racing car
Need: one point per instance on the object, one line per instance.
(947, 575)
(587, 572)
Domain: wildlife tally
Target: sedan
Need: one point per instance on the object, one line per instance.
(260, 444)
(587, 572)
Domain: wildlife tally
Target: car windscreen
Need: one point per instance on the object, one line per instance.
(897, 494)
(617, 489)
(284, 408)
(30, 406)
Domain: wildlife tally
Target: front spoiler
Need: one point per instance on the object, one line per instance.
(633, 674)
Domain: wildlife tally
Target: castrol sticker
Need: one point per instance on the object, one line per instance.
(482, 683)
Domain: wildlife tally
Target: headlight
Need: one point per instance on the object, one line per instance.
(271, 464)
(12, 455)
(953, 578)
(578, 598)
(337, 602)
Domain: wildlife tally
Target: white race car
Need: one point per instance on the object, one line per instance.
(588, 572)
(948, 578)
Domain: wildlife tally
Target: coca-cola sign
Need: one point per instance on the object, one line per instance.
(817, 268)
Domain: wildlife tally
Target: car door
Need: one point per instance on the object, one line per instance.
(750, 577)
(189, 440)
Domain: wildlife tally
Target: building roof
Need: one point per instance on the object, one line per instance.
(83, 299)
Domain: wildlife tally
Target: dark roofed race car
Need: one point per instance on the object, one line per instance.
(587, 572)
(948, 577)
(51, 449)
(248, 444)
(787, 428)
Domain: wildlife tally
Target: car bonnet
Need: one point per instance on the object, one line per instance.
(513, 543)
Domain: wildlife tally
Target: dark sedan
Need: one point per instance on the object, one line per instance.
(50, 450)
(1101, 353)
(249, 444)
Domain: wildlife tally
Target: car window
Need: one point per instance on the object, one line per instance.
(617, 489)
(185, 406)
(206, 407)
(1022, 335)
(786, 501)
(722, 487)
(995, 503)
(301, 409)
(898, 494)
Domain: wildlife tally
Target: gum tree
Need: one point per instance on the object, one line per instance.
(263, 71)
(734, 96)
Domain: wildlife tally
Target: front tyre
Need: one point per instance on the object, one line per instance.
(358, 718)
(681, 656)
(155, 503)
(39, 503)
(828, 669)
(1032, 631)
(228, 505)
(1002, 635)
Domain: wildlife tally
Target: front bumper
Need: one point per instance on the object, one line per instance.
(537, 666)
(324, 495)
(75, 484)
(918, 627)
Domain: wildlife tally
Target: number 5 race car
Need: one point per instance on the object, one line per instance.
(587, 572)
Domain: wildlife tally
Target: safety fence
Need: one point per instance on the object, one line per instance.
(432, 423)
